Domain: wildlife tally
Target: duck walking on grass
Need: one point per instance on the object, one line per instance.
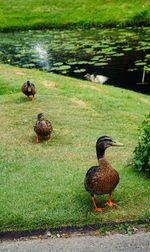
(43, 128)
(28, 89)
(102, 179)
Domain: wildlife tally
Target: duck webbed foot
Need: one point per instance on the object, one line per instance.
(109, 202)
(98, 209)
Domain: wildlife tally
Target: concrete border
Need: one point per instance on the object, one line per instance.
(10, 235)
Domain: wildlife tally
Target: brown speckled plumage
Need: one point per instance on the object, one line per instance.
(28, 89)
(102, 179)
(42, 127)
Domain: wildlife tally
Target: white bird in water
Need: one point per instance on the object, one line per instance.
(98, 78)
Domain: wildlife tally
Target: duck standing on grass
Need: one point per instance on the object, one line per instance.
(28, 89)
(102, 179)
(43, 128)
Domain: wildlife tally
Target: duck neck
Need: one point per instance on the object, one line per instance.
(100, 153)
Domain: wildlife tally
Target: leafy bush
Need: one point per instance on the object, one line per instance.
(141, 160)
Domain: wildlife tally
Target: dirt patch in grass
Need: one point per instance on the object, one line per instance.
(20, 73)
(48, 84)
(80, 103)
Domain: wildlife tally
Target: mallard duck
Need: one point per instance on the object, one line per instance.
(28, 89)
(102, 179)
(43, 128)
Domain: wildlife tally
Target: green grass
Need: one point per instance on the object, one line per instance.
(35, 14)
(42, 184)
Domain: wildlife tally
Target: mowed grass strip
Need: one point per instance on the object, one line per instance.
(33, 14)
(42, 184)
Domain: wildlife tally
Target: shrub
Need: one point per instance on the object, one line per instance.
(141, 159)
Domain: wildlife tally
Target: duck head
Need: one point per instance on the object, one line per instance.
(103, 143)
(40, 117)
(29, 86)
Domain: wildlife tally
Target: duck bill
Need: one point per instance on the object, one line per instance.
(117, 144)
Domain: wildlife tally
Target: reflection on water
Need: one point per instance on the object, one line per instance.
(118, 54)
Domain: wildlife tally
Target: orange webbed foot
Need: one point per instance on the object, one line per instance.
(110, 203)
(99, 209)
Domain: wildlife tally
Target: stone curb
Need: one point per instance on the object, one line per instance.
(10, 235)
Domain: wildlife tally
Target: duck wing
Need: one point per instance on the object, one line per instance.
(91, 179)
(33, 90)
(101, 179)
(43, 128)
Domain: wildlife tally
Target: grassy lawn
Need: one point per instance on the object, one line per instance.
(31, 14)
(42, 184)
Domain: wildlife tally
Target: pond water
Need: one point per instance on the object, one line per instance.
(122, 55)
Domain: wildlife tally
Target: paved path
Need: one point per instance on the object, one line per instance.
(139, 242)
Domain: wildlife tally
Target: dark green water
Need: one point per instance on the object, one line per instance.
(119, 54)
